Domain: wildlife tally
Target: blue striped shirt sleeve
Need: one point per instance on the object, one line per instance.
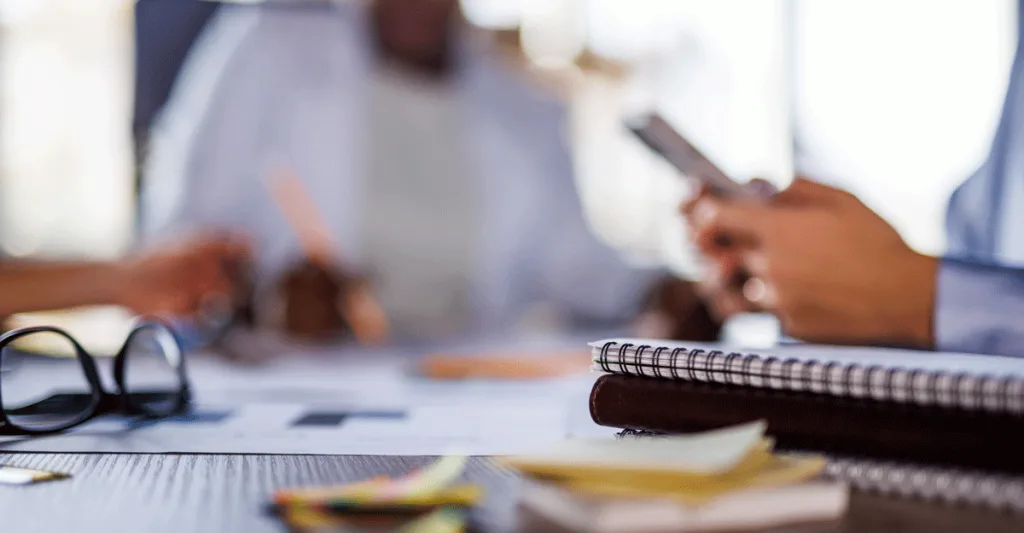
(979, 308)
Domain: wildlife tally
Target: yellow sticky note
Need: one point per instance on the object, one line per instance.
(778, 471)
(420, 485)
(710, 453)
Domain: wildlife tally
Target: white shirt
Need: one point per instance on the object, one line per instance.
(420, 219)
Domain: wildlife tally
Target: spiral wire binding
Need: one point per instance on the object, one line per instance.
(949, 486)
(990, 393)
(928, 483)
(637, 433)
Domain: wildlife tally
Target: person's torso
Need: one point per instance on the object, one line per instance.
(513, 234)
(420, 224)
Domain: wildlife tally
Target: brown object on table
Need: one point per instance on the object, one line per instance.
(311, 297)
(324, 304)
(808, 421)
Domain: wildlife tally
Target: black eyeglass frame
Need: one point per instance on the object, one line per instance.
(97, 406)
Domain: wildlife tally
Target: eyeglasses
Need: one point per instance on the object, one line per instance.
(45, 397)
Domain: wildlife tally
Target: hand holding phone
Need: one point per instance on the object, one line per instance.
(664, 140)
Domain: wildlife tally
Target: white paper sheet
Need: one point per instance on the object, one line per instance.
(340, 405)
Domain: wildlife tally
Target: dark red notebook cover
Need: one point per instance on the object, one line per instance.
(823, 423)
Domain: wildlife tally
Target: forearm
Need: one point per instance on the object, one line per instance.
(35, 286)
(978, 308)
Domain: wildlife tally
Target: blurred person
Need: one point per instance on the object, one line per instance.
(443, 175)
(834, 271)
(175, 280)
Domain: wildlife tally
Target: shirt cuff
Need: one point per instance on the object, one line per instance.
(979, 308)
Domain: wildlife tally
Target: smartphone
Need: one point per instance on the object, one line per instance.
(665, 141)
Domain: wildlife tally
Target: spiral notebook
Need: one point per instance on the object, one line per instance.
(973, 382)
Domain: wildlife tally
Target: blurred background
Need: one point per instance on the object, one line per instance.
(762, 85)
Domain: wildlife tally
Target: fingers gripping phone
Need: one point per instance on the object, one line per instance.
(664, 140)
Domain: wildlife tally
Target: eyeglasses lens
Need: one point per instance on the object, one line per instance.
(45, 386)
(151, 374)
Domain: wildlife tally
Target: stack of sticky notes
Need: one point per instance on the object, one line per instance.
(719, 480)
(425, 500)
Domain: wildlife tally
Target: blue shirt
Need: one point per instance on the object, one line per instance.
(980, 288)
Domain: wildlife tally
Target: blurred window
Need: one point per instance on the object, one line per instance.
(898, 98)
(901, 98)
(65, 147)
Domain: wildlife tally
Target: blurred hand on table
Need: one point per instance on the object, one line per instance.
(831, 269)
(721, 285)
(183, 277)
